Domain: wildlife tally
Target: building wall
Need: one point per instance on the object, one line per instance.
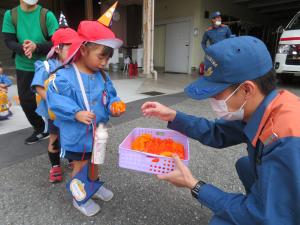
(118, 27)
(5, 53)
(159, 45)
(166, 10)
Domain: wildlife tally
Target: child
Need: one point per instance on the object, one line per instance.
(61, 39)
(127, 61)
(5, 104)
(82, 96)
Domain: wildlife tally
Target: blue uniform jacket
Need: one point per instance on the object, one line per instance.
(215, 34)
(5, 80)
(40, 76)
(272, 136)
(65, 99)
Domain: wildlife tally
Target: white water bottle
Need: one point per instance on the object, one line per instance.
(99, 148)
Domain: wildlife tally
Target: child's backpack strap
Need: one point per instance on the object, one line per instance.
(47, 66)
(51, 78)
(103, 75)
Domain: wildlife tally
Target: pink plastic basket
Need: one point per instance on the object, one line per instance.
(149, 163)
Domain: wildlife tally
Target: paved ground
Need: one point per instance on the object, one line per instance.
(140, 199)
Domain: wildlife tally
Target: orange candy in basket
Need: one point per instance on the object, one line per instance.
(165, 147)
(118, 107)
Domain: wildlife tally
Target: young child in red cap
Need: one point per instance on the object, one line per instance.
(62, 40)
(83, 96)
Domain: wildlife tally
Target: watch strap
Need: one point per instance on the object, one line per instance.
(195, 191)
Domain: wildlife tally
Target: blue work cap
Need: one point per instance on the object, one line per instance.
(215, 14)
(228, 62)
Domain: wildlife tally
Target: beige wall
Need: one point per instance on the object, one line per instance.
(166, 10)
(159, 45)
(118, 27)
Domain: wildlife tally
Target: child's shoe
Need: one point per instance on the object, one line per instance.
(90, 208)
(55, 174)
(104, 194)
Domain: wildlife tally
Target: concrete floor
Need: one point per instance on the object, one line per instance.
(140, 199)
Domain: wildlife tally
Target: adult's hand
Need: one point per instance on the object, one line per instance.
(181, 176)
(158, 110)
(29, 47)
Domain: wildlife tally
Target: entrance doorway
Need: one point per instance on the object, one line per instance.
(177, 47)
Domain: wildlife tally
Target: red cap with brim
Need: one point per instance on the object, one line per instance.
(95, 32)
(62, 36)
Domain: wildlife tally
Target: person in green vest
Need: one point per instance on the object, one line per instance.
(27, 31)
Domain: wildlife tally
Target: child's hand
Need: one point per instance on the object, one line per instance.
(85, 117)
(118, 108)
(3, 87)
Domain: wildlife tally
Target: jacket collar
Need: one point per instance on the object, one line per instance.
(258, 119)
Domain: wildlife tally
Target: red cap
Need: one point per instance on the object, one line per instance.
(93, 31)
(62, 36)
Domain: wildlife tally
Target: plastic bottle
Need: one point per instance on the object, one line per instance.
(99, 148)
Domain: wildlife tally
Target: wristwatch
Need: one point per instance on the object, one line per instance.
(195, 191)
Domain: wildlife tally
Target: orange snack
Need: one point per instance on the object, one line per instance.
(118, 107)
(165, 147)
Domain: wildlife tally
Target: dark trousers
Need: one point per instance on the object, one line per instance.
(215, 220)
(247, 177)
(245, 173)
(28, 101)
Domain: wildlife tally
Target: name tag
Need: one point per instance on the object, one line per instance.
(272, 138)
(81, 187)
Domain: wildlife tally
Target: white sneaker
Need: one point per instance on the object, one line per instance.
(90, 208)
(104, 194)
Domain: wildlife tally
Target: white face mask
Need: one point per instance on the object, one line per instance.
(218, 23)
(221, 109)
(30, 2)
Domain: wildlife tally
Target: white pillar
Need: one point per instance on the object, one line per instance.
(147, 36)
